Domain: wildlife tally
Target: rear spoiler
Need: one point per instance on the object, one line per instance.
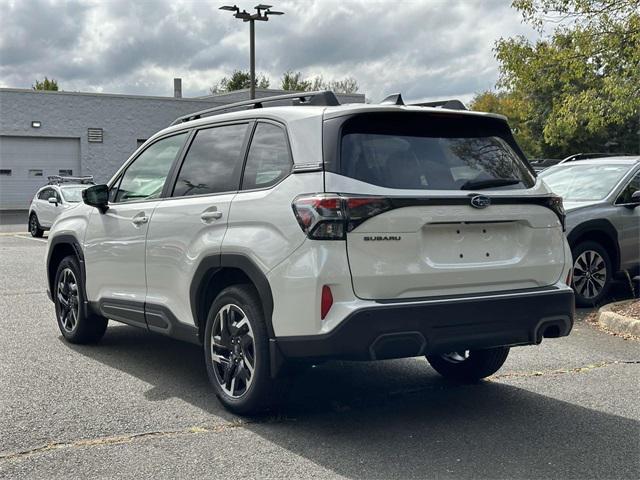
(396, 99)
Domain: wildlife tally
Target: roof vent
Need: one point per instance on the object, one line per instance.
(94, 135)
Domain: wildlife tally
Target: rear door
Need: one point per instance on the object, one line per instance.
(190, 224)
(456, 209)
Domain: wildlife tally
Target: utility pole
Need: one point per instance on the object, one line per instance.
(261, 15)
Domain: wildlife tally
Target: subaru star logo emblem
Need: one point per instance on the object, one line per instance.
(480, 201)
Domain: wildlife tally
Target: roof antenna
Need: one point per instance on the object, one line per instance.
(394, 99)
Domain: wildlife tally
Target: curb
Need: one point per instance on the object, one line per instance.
(617, 323)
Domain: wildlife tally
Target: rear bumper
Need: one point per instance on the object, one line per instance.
(439, 326)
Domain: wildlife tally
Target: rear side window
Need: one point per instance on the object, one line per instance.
(213, 162)
(431, 152)
(268, 161)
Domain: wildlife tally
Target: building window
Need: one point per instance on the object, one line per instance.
(5, 172)
(95, 135)
(35, 173)
(63, 172)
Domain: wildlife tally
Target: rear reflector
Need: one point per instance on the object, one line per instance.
(326, 302)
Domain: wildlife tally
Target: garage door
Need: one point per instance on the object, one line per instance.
(25, 163)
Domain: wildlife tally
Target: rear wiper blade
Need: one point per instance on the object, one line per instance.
(488, 183)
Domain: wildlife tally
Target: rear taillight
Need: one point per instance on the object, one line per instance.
(328, 216)
(555, 203)
(360, 209)
(320, 216)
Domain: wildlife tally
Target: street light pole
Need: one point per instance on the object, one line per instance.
(252, 57)
(262, 15)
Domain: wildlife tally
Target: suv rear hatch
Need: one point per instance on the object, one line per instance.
(439, 203)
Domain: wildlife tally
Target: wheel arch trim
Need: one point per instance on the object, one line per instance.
(597, 226)
(54, 245)
(209, 266)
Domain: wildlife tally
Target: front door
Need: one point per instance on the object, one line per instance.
(47, 212)
(628, 222)
(115, 240)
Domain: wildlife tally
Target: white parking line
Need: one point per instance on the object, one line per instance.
(31, 238)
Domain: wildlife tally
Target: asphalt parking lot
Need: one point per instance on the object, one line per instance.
(138, 405)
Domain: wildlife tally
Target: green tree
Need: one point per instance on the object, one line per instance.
(46, 84)
(578, 88)
(517, 110)
(293, 81)
(345, 85)
(239, 80)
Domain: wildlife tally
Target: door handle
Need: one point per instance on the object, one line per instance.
(140, 220)
(212, 215)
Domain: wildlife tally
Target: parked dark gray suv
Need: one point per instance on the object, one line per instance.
(601, 198)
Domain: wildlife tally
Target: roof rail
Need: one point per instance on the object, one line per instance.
(60, 179)
(396, 99)
(587, 156)
(324, 98)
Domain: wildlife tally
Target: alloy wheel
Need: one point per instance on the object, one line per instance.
(456, 357)
(68, 302)
(589, 274)
(233, 350)
(33, 225)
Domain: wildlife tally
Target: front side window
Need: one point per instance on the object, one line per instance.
(268, 161)
(45, 194)
(145, 177)
(213, 162)
(633, 186)
(583, 182)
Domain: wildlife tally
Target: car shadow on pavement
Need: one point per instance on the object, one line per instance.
(397, 419)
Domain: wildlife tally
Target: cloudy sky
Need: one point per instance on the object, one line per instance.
(423, 48)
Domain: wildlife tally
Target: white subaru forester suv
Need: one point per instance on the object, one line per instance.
(315, 231)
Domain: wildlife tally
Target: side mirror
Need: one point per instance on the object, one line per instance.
(97, 196)
(53, 200)
(635, 199)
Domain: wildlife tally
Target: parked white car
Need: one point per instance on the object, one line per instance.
(320, 231)
(51, 200)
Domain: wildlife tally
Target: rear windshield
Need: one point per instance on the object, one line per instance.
(431, 152)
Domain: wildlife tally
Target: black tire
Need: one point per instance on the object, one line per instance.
(469, 367)
(75, 324)
(585, 283)
(255, 389)
(34, 226)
